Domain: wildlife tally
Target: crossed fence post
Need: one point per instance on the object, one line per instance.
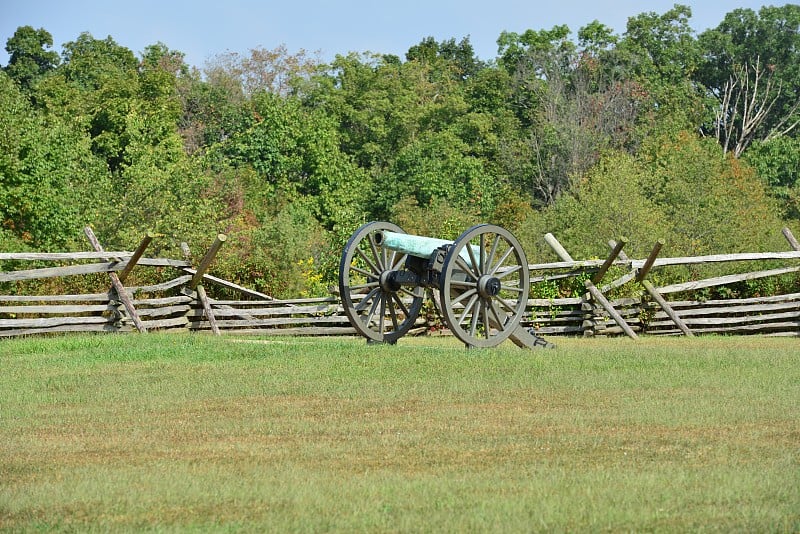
(596, 294)
(195, 284)
(116, 280)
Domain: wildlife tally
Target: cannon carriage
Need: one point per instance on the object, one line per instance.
(481, 280)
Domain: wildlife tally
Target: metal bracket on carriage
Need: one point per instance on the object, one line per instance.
(482, 280)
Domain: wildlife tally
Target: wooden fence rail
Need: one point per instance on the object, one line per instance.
(186, 302)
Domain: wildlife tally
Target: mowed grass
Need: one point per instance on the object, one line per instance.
(178, 432)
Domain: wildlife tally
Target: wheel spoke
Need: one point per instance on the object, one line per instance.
(392, 312)
(490, 259)
(512, 288)
(469, 305)
(399, 302)
(463, 283)
(372, 265)
(476, 267)
(485, 314)
(463, 295)
(382, 319)
(506, 305)
(394, 263)
(482, 252)
(500, 262)
(362, 272)
(363, 304)
(363, 286)
(411, 294)
(372, 310)
(500, 321)
(506, 272)
(474, 324)
(375, 254)
(466, 268)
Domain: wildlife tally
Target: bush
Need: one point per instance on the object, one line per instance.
(607, 204)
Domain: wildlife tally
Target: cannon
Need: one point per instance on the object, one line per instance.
(481, 280)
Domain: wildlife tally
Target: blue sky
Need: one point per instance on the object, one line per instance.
(202, 29)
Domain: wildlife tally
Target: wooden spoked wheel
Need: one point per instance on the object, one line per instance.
(484, 285)
(376, 309)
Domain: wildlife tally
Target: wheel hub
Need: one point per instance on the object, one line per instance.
(388, 282)
(488, 286)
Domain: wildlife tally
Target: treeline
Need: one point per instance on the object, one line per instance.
(655, 132)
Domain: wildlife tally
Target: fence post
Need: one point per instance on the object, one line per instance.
(195, 283)
(671, 313)
(603, 301)
(790, 238)
(560, 251)
(136, 256)
(206, 261)
(589, 316)
(653, 292)
(650, 260)
(616, 251)
(201, 293)
(118, 287)
(595, 293)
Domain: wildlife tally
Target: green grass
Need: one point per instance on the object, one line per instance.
(194, 433)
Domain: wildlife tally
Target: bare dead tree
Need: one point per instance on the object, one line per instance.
(262, 70)
(746, 101)
(576, 114)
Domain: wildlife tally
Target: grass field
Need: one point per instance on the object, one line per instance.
(169, 432)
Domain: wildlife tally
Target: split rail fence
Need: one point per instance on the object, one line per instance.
(183, 303)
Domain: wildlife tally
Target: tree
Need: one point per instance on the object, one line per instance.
(90, 63)
(596, 38)
(659, 52)
(777, 162)
(436, 166)
(515, 50)
(459, 57)
(751, 68)
(295, 152)
(573, 108)
(662, 47)
(48, 175)
(745, 104)
(214, 109)
(220, 105)
(276, 71)
(29, 58)
(712, 203)
(679, 187)
(380, 107)
(105, 81)
(607, 203)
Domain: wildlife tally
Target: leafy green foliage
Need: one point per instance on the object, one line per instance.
(45, 167)
(436, 166)
(609, 204)
(459, 57)
(713, 203)
(777, 162)
(29, 60)
(680, 189)
(590, 138)
(278, 254)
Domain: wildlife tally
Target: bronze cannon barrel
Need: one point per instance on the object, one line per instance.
(416, 245)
